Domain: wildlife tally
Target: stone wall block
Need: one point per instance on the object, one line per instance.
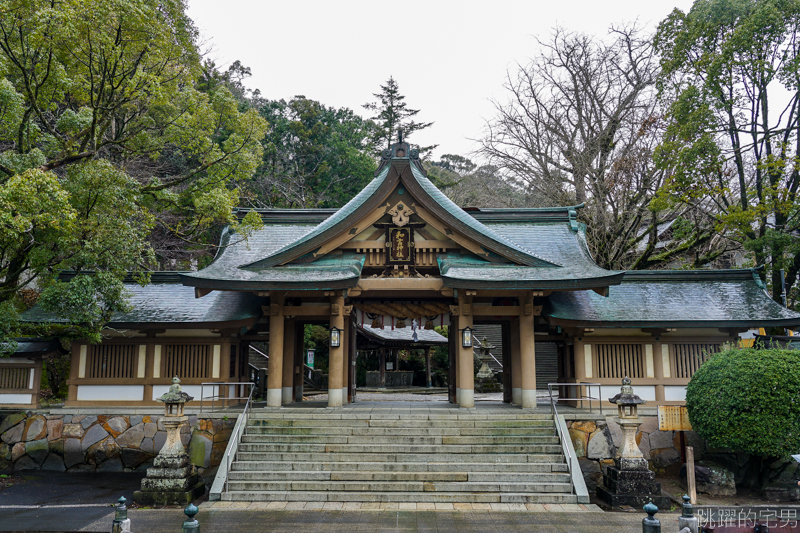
(661, 439)
(116, 425)
(148, 446)
(73, 430)
(112, 465)
(35, 428)
(225, 434)
(665, 457)
(579, 440)
(697, 443)
(26, 463)
(67, 419)
(57, 447)
(649, 424)
(159, 439)
(73, 453)
(600, 445)
(131, 457)
(14, 434)
(103, 451)
(135, 420)
(38, 450)
(5, 451)
(644, 444)
(150, 429)
(587, 426)
(185, 438)
(54, 462)
(55, 427)
(132, 438)
(87, 421)
(17, 451)
(95, 434)
(10, 421)
(616, 432)
(200, 449)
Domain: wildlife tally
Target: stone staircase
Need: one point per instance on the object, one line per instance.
(443, 458)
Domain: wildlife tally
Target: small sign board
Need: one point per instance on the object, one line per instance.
(673, 418)
(389, 365)
(310, 357)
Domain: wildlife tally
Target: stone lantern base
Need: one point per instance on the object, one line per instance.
(630, 482)
(172, 479)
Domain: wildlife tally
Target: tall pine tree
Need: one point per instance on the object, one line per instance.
(391, 115)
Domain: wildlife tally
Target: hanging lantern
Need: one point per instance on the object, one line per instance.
(466, 337)
(336, 337)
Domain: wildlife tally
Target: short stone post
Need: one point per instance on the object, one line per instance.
(651, 524)
(688, 520)
(121, 523)
(190, 525)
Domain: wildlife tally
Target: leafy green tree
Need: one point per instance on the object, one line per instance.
(391, 115)
(103, 137)
(314, 156)
(731, 143)
(747, 400)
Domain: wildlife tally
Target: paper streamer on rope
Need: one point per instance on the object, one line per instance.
(373, 320)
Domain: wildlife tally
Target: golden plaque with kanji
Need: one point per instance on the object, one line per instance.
(673, 418)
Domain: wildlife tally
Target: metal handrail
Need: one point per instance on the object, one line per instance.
(223, 385)
(238, 432)
(554, 412)
(259, 352)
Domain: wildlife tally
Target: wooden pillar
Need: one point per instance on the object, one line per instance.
(658, 368)
(527, 345)
(346, 359)
(275, 376)
(466, 367)
(452, 338)
(299, 361)
(382, 369)
(336, 355)
(506, 343)
(428, 352)
(288, 361)
(516, 369)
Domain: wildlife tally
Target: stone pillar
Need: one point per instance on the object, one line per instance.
(288, 361)
(466, 368)
(516, 372)
(527, 345)
(275, 376)
(336, 355)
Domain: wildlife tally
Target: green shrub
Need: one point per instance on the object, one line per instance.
(748, 400)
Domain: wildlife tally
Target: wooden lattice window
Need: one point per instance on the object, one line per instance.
(14, 378)
(116, 361)
(619, 360)
(689, 357)
(187, 360)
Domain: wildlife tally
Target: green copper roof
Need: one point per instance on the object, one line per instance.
(471, 272)
(679, 298)
(165, 301)
(332, 271)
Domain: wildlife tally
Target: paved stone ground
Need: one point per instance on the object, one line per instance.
(379, 521)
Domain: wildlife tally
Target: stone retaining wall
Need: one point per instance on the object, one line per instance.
(104, 443)
(596, 443)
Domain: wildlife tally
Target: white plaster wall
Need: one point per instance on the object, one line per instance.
(675, 393)
(119, 393)
(15, 399)
(191, 390)
(645, 392)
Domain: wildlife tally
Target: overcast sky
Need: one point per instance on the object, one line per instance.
(450, 58)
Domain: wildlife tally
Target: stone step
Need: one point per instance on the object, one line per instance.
(400, 431)
(415, 497)
(499, 468)
(486, 440)
(367, 475)
(397, 486)
(496, 449)
(293, 456)
(345, 418)
(404, 423)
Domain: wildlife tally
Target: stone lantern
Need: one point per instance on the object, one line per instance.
(484, 379)
(172, 479)
(629, 481)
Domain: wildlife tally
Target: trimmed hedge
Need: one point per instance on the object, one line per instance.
(748, 400)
